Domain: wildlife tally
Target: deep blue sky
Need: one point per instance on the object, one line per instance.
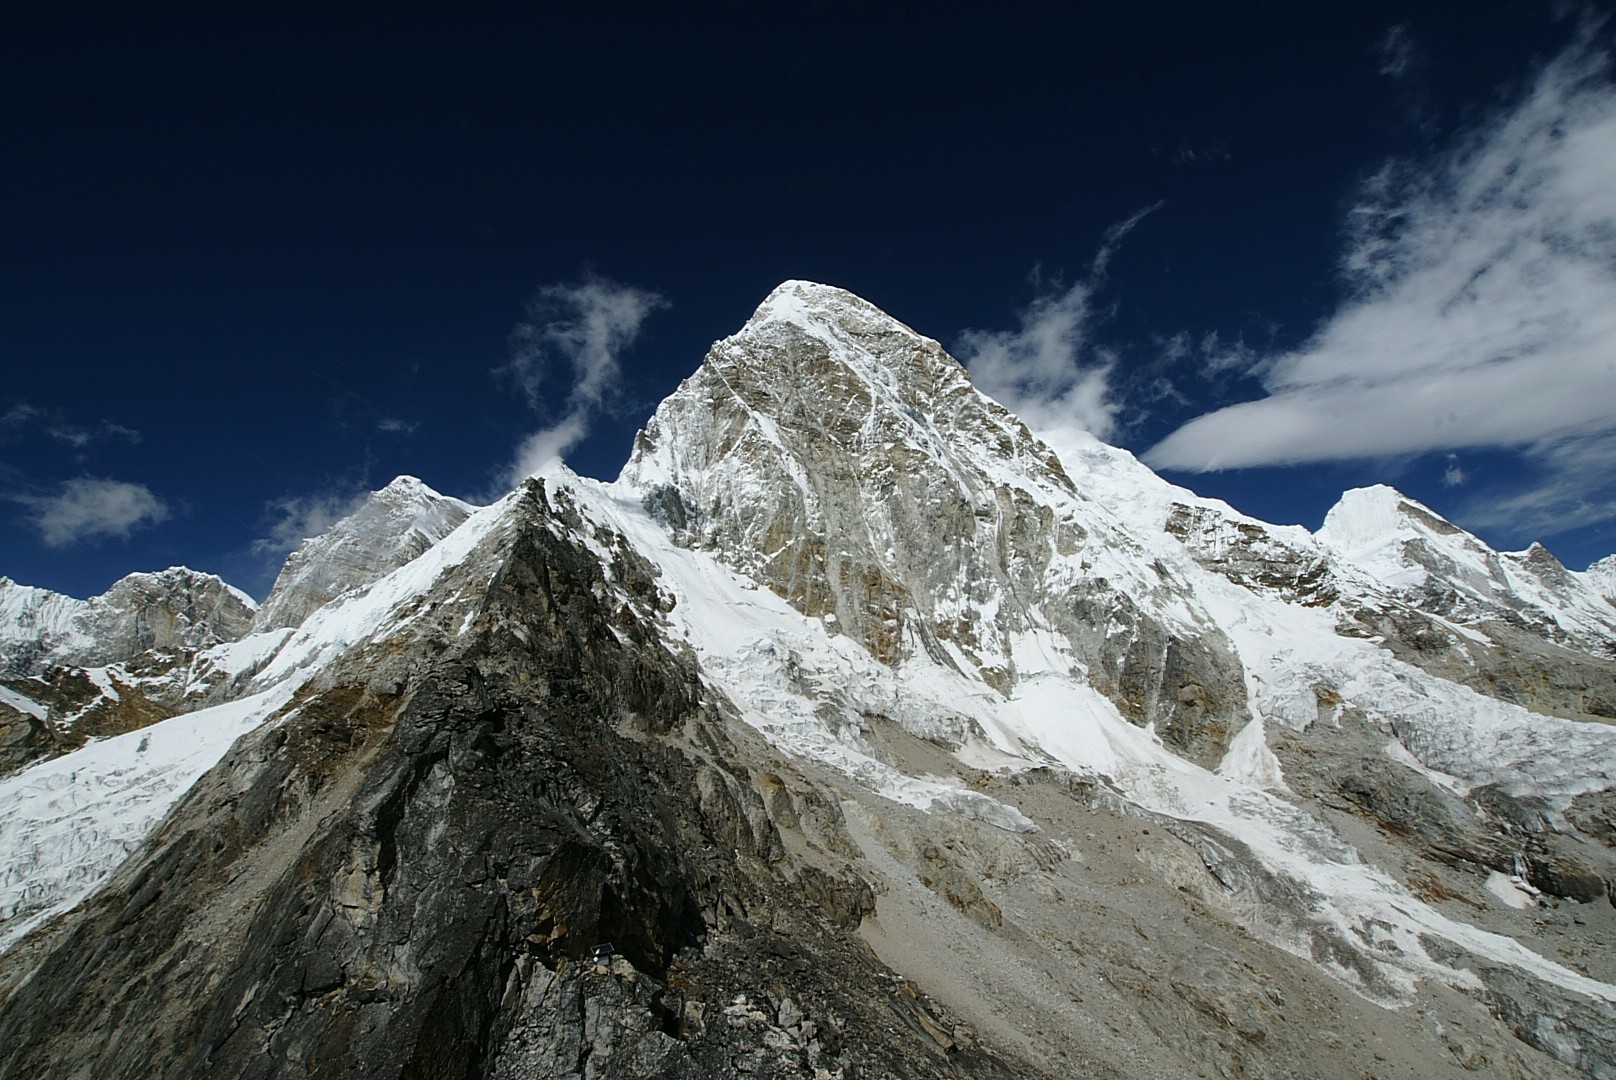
(252, 266)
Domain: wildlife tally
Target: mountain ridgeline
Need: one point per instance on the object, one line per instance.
(853, 731)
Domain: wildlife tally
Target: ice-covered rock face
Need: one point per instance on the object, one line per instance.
(391, 528)
(177, 609)
(846, 462)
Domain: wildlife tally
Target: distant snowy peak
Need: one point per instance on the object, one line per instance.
(175, 609)
(34, 622)
(1601, 577)
(1444, 570)
(392, 527)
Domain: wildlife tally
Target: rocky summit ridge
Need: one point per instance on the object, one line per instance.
(853, 731)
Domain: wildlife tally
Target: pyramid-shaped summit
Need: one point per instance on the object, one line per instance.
(847, 462)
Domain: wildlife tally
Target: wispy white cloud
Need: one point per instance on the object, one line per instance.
(1048, 370)
(577, 332)
(1454, 475)
(1571, 485)
(89, 508)
(24, 420)
(1396, 52)
(1481, 308)
(1187, 152)
(392, 425)
(292, 519)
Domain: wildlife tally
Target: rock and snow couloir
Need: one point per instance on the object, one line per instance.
(973, 657)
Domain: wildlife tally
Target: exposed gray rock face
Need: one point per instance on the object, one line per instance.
(847, 463)
(1254, 555)
(392, 527)
(176, 609)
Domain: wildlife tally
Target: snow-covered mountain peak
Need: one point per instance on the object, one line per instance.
(860, 351)
(1364, 520)
(1602, 577)
(178, 608)
(408, 487)
(809, 303)
(389, 529)
(177, 579)
(847, 463)
(1444, 570)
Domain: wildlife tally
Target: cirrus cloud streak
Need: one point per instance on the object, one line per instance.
(1048, 370)
(1481, 308)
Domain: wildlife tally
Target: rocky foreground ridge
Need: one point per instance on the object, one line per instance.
(854, 731)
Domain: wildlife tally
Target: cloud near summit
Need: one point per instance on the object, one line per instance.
(1481, 308)
(579, 333)
(1049, 371)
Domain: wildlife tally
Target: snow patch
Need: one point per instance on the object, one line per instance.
(1249, 760)
(22, 703)
(1511, 891)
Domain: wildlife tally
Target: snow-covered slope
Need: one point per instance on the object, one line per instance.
(1601, 577)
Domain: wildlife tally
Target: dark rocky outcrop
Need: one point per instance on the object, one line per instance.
(78, 708)
(409, 874)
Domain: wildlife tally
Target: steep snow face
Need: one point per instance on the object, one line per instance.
(36, 622)
(70, 821)
(177, 609)
(1442, 569)
(394, 526)
(848, 464)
